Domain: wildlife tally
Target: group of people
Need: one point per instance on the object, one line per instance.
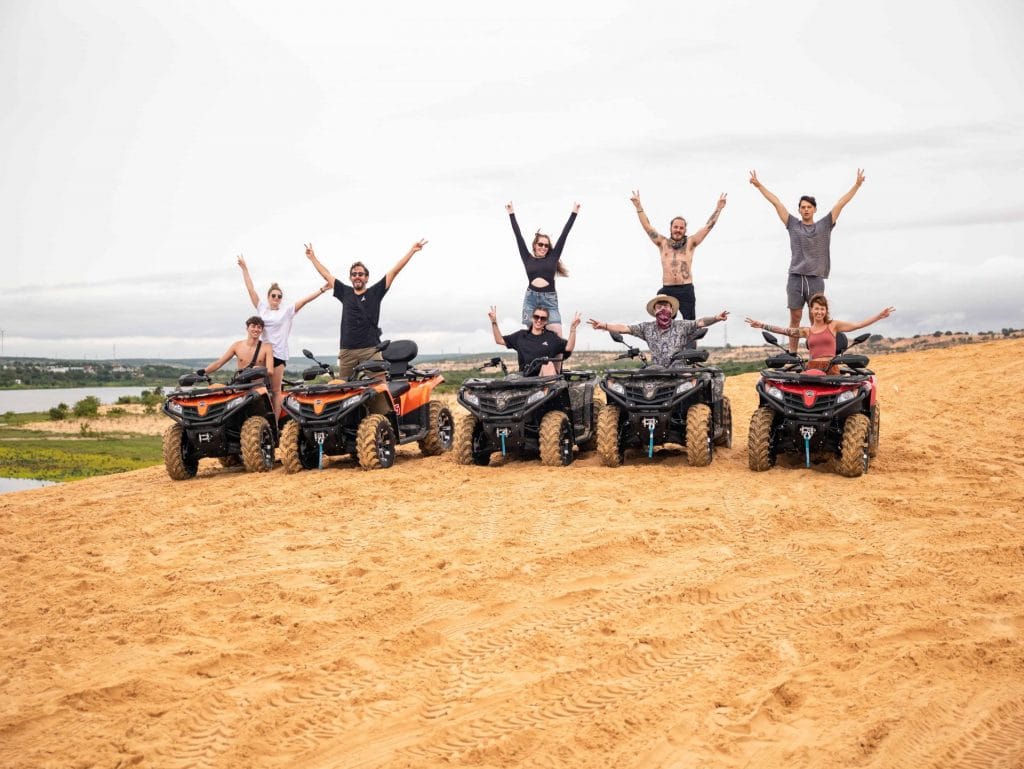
(266, 342)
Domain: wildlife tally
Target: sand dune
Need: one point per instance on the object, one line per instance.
(431, 615)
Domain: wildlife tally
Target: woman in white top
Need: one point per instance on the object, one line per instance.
(277, 325)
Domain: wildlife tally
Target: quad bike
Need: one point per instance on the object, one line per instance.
(549, 415)
(653, 405)
(810, 412)
(234, 423)
(386, 404)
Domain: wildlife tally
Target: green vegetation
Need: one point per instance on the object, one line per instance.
(33, 374)
(61, 458)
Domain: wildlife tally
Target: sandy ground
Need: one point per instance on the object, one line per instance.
(430, 615)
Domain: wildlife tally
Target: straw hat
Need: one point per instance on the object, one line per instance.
(663, 298)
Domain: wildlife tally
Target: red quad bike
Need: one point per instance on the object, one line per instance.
(234, 423)
(808, 411)
(386, 404)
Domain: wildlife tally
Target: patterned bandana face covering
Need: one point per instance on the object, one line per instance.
(664, 317)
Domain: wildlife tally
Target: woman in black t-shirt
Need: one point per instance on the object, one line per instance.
(536, 341)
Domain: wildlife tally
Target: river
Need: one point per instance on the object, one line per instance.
(43, 400)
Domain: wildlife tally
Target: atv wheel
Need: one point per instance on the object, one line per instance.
(876, 426)
(760, 452)
(231, 460)
(698, 435)
(855, 453)
(180, 458)
(298, 452)
(257, 445)
(591, 443)
(725, 439)
(609, 447)
(469, 443)
(440, 430)
(555, 439)
(375, 442)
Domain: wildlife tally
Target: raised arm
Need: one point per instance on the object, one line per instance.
(493, 315)
(845, 325)
(699, 235)
(306, 300)
(644, 221)
(838, 207)
(570, 343)
(598, 325)
(771, 198)
(248, 282)
(797, 332)
(520, 243)
(400, 264)
(560, 244)
(324, 272)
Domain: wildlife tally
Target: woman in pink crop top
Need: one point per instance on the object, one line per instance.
(821, 334)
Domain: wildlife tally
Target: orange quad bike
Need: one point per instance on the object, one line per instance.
(387, 403)
(234, 423)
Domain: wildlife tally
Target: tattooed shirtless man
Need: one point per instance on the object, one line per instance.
(677, 254)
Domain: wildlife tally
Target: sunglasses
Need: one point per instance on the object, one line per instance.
(541, 317)
(543, 245)
(358, 274)
(276, 296)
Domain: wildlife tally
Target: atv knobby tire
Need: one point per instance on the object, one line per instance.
(375, 443)
(608, 445)
(555, 439)
(854, 458)
(257, 445)
(725, 439)
(591, 443)
(759, 440)
(698, 435)
(876, 426)
(440, 430)
(296, 452)
(467, 431)
(179, 457)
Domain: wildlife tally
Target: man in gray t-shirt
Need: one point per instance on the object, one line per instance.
(809, 242)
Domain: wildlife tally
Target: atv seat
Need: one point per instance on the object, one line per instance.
(398, 389)
(398, 354)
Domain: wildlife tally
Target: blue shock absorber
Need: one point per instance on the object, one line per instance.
(319, 456)
(650, 441)
(503, 444)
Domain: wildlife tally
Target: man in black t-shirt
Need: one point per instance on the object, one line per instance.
(360, 309)
(536, 341)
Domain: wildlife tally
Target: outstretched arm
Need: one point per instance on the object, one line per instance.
(306, 300)
(838, 207)
(644, 221)
(248, 282)
(698, 237)
(710, 320)
(400, 265)
(845, 325)
(598, 325)
(493, 315)
(770, 197)
(324, 272)
(797, 332)
(221, 360)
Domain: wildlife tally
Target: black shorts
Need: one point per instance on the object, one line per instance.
(686, 298)
(279, 362)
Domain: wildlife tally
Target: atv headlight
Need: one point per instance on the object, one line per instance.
(534, 397)
(686, 386)
(291, 404)
(234, 404)
(845, 396)
(773, 392)
(471, 398)
(616, 387)
(174, 407)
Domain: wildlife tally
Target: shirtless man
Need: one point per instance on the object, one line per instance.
(248, 352)
(677, 255)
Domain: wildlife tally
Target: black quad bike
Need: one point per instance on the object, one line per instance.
(530, 414)
(681, 403)
(234, 423)
(813, 413)
(386, 404)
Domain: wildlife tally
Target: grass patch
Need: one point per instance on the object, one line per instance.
(35, 455)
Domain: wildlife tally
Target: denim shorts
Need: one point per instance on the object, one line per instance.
(547, 300)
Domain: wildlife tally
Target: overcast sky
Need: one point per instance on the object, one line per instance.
(144, 144)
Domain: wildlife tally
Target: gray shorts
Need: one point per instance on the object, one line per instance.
(800, 288)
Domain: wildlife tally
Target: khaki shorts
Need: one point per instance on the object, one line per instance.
(350, 357)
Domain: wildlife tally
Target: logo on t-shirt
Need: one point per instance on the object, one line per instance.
(543, 344)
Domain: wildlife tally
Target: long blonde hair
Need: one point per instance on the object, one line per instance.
(560, 268)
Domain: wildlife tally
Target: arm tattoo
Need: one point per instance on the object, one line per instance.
(712, 220)
(653, 234)
(793, 331)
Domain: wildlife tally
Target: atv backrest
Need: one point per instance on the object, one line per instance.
(398, 354)
(841, 343)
